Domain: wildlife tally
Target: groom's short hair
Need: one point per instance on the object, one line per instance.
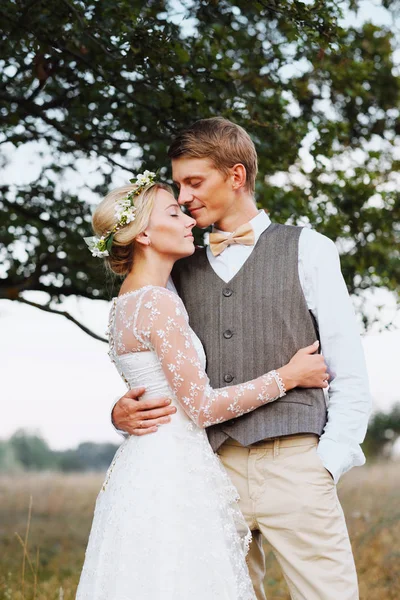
(220, 140)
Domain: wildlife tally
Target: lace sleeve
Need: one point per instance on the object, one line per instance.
(161, 324)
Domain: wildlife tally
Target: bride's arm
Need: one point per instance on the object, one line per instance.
(161, 324)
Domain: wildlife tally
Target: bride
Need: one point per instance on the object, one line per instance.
(166, 523)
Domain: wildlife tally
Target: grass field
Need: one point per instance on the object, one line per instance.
(62, 508)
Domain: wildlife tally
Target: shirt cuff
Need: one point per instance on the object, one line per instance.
(123, 433)
(339, 457)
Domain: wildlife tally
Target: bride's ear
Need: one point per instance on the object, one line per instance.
(143, 239)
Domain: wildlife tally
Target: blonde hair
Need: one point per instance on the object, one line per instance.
(223, 142)
(120, 260)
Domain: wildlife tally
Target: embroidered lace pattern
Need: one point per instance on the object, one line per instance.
(155, 319)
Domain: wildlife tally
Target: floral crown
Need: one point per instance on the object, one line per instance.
(125, 212)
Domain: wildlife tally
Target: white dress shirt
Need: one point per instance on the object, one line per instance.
(348, 398)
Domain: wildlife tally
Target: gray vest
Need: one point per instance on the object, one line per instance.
(251, 325)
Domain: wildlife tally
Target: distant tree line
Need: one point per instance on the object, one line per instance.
(383, 432)
(27, 451)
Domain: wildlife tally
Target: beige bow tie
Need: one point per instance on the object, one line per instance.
(243, 235)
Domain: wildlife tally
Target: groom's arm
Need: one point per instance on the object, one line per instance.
(349, 400)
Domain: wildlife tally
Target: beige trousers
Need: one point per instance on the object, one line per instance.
(287, 496)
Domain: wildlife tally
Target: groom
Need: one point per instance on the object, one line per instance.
(255, 295)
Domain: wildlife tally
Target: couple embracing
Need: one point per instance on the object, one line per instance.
(238, 427)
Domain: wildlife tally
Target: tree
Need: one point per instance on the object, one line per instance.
(26, 450)
(9, 462)
(383, 432)
(112, 81)
(88, 456)
(31, 451)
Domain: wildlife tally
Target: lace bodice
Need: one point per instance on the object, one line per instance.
(153, 319)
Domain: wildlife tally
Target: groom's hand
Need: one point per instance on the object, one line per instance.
(139, 417)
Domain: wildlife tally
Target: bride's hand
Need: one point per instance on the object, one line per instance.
(305, 369)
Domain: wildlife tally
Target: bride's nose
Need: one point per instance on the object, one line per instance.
(191, 222)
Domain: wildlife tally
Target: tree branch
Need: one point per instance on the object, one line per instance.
(10, 290)
(63, 313)
(33, 213)
(300, 20)
(28, 109)
(85, 31)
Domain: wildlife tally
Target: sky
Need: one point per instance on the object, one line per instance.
(56, 379)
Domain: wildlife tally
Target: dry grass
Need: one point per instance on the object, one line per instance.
(44, 562)
(62, 511)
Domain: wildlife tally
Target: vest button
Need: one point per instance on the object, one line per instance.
(228, 334)
(227, 292)
(228, 378)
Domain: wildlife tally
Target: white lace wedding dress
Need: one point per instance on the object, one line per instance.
(166, 524)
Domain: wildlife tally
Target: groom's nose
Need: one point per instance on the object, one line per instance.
(184, 197)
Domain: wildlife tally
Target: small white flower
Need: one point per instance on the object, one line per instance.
(130, 216)
(99, 253)
(96, 246)
(91, 242)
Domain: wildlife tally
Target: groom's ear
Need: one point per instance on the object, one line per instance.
(239, 176)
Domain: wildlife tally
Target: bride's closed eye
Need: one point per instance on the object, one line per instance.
(176, 213)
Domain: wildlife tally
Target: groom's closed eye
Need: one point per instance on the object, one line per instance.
(195, 182)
